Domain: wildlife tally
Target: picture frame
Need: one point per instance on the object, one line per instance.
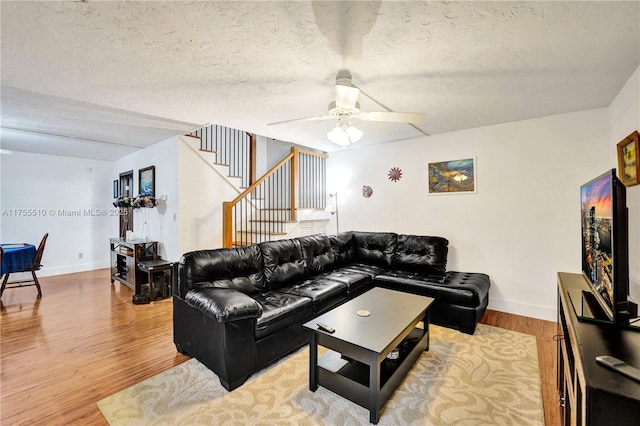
(147, 181)
(116, 192)
(452, 177)
(628, 161)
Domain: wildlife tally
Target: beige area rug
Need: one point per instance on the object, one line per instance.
(490, 378)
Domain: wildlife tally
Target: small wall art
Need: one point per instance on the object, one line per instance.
(116, 192)
(147, 181)
(628, 164)
(367, 191)
(452, 177)
(395, 174)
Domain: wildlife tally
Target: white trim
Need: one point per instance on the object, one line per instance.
(533, 311)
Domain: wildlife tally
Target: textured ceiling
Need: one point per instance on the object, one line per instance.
(75, 69)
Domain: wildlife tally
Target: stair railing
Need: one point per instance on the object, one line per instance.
(231, 147)
(265, 207)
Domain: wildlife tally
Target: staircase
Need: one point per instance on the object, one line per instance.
(288, 201)
(230, 149)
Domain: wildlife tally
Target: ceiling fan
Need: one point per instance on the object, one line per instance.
(346, 107)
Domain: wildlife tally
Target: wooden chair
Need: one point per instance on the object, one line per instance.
(1, 260)
(35, 266)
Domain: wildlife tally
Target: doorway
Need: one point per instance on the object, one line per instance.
(126, 188)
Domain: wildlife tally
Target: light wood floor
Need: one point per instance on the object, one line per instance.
(85, 340)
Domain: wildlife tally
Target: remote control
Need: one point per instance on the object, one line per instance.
(619, 366)
(326, 327)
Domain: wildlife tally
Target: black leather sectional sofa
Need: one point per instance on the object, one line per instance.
(237, 310)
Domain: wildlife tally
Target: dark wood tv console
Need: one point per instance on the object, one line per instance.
(589, 393)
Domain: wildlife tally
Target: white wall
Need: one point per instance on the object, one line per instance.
(70, 198)
(276, 151)
(261, 155)
(624, 118)
(521, 227)
(202, 192)
(163, 219)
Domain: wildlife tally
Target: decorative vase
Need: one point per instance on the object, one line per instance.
(125, 217)
(145, 235)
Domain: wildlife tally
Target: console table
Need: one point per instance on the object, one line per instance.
(589, 393)
(125, 257)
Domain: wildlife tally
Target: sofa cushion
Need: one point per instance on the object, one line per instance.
(342, 247)
(323, 292)
(317, 253)
(375, 248)
(427, 255)
(284, 263)
(237, 268)
(356, 282)
(459, 288)
(370, 271)
(280, 310)
(223, 304)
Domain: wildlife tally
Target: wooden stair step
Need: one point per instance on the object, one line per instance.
(261, 233)
(272, 221)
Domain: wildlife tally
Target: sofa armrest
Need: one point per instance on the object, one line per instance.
(223, 304)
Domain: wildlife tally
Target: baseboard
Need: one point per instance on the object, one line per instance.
(71, 269)
(533, 311)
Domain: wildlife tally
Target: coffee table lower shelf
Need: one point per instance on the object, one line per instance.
(350, 378)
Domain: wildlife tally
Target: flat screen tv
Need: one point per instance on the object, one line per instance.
(605, 246)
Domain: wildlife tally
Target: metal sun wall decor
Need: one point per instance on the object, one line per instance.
(395, 174)
(452, 177)
(367, 191)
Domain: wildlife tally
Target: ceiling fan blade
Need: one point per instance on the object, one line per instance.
(346, 96)
(317, 118)
(395, 117)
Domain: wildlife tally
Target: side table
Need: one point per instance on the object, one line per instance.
(125, 256)
(157, 266)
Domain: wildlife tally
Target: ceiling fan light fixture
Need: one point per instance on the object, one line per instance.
(346, 106)
(354, 133)
(338, 136)
(344, 133)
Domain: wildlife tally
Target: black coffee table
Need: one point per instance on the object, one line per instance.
(357, 366)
